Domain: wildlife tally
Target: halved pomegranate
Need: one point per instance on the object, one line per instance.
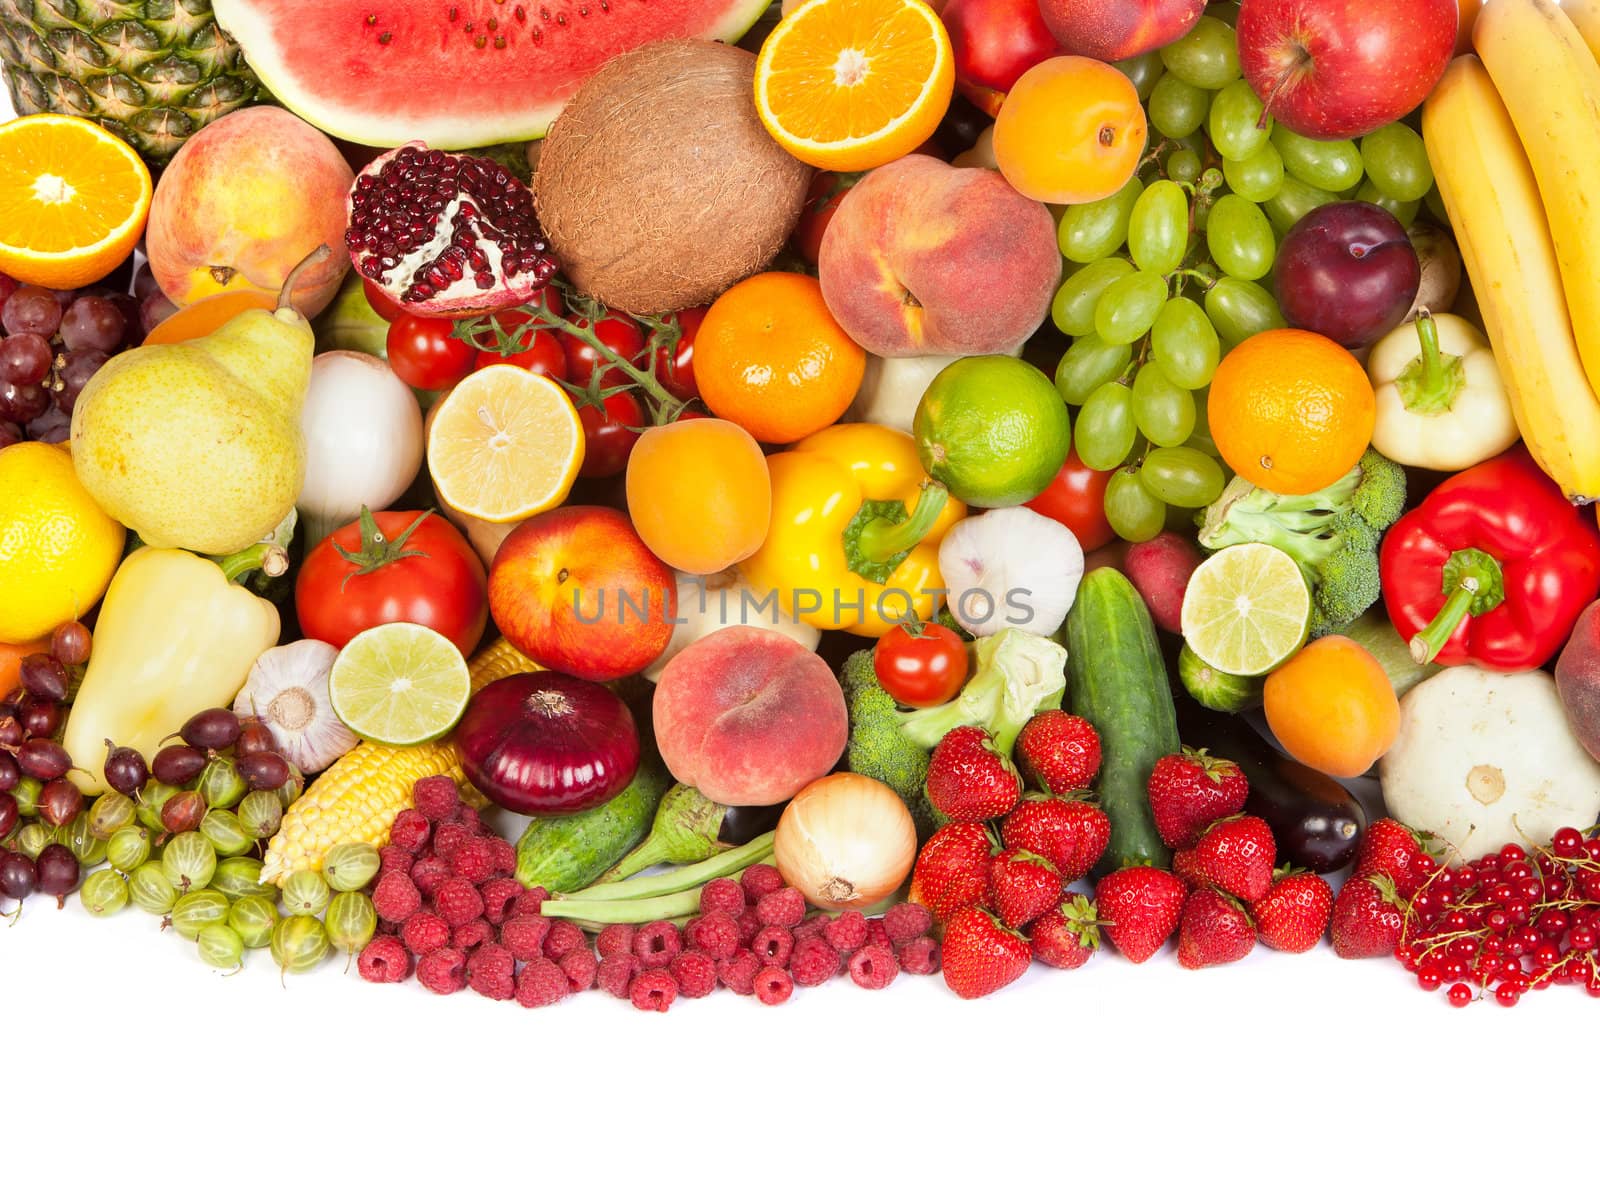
(446, 235)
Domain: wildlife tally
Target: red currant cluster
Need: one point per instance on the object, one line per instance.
(1508, 922)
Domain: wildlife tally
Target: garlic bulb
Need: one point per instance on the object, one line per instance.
(1010, 568)
(288, 690)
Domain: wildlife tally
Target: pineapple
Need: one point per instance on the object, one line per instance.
(152, 71)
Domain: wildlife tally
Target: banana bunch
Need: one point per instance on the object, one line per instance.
(1514, 138)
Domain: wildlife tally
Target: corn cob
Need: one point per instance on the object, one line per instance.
(356, 800)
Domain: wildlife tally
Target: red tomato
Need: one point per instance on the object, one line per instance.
(608, 441)
(424, 355)
(430, 576)
(927, 667)
(541, 353)
(822, 201)
(549, 296)
(1077, 499)
(620, 334)
(676, 374)
(381, 304)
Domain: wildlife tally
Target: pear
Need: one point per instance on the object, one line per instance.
(197, 444)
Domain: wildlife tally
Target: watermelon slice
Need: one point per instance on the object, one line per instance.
(453, 73)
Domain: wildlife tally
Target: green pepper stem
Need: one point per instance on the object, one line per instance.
(1473, 584)
(690, 876)
(263, 557)
(880, 540)
(1431, 383)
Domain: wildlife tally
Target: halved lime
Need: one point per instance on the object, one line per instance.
(400, 684)
(1247, 609)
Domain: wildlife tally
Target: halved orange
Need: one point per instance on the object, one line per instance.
(504, 444)
(73, 200)
(207, 314)
(848, 85)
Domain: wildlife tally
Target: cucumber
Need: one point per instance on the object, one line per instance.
(1116, 679)
(1216, 689)
(572, 851)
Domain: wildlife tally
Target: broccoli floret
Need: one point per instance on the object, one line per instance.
(1332, 534)
(877, 748)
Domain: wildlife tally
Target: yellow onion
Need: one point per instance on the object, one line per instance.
(846, 842)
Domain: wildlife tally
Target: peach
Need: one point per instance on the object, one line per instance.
(749, 717)
(1112, 30)
(242, 202)
(923, 258)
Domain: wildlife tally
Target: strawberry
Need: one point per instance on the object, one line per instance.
(952, 870)
(1293, 916)
(1189, 792)
(1070, 832)
(1214, 930)
(1392, 850)
(1058, 752)
(1022, 886)
(1234, 855)
(1140, 907)
(969, 780)
(980, 955)
(1366, 918)
(1066, 935)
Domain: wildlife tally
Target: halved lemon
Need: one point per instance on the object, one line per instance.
(400, 684)
(73, 200)
(505, 444)
(1247, 609)
(848, 85)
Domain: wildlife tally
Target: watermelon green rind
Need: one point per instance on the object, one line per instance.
(384, 72)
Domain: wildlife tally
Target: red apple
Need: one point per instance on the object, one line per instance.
(1112, 30)
(1341, 68)
(994, 42)
(576, 590)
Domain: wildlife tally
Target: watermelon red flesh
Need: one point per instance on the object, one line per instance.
(452, 73)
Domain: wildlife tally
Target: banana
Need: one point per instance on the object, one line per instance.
(1585, 16)
(1493, 201)
(1550, 84)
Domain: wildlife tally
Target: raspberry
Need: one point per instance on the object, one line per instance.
(773, 986)
(814, 927)
(531, 901)
(410, 831)
(878, 934)
(436, 798)
(907, 921)
(474, 861)
(396, 898)
(772, 945)
(470, 935)
(428, 873)
(615, 974)
(524, 937)
(448, 840)
(873, 967)
(443, 970)
(384, 961)
(491, 971)
(503, 855)
(457, 902)
(759, 880)
(813, 961)
(724, 894)
(471, 820)
(614, 939)
(541, 983)
(424, 931)
(653, 989)
(920, 957)
(395, 859)
(388, 928)
(749, 923)
(562, 938)
(738, 971)
(499, 896)
(695, 973)
(580, 965)
(847, 933)
(656, 943)
(716, 934)
(784, 907)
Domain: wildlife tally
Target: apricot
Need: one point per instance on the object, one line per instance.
(699, 494)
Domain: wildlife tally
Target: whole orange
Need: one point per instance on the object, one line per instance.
(1291, 411)
(770, 357)
(699, 493)
(1332, 707)
(1071, 131)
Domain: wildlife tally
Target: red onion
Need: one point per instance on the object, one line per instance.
(546, 743)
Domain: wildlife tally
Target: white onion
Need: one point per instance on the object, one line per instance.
(846, 842)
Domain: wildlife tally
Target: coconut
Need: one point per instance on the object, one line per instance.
(657, 187)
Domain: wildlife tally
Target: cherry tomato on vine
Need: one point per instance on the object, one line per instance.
(1077, 499)
(608, 441)
(920, 666)
(675, 373)
(619, 333)
(424, 355)
(381, 304)
(541, 354)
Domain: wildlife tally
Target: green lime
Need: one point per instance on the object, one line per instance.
(1247, 609)
(400, 684)
(993, 430)
(1215, 689)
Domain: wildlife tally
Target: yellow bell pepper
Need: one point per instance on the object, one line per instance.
(174, 637)
(854, 539)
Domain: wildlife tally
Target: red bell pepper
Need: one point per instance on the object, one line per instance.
(1492, 569)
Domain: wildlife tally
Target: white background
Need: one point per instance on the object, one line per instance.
(126, 1064)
